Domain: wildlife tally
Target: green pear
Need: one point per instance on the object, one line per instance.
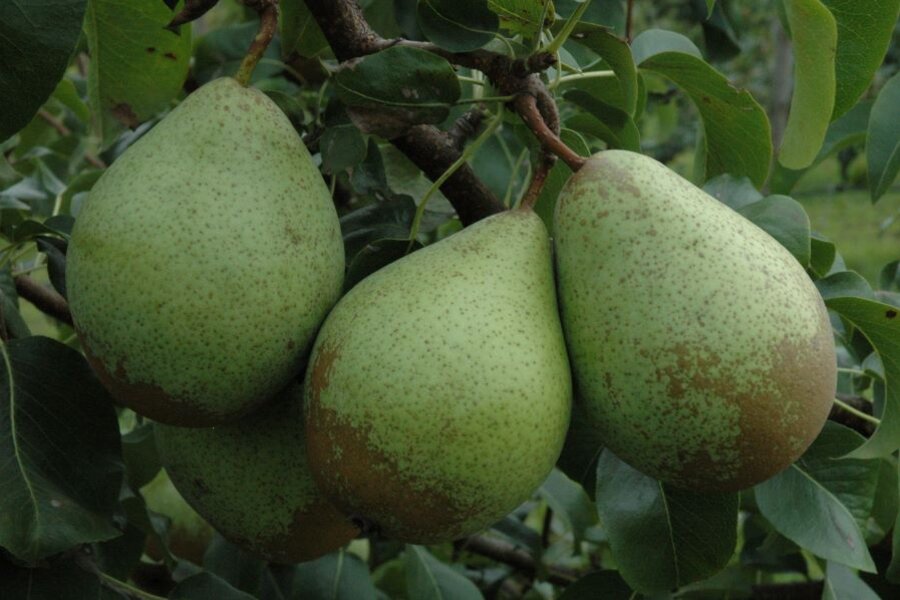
(438, 392)
(251, 481)
(204, 260)
(189, 534)
(700, 348)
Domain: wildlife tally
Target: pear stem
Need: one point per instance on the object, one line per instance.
(527, 107)
(538, 178)
(268, 25)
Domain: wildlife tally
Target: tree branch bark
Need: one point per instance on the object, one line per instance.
(508, 554)
(45, 299)
(432, 150)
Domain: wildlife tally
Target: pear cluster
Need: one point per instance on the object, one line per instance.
(438, 392)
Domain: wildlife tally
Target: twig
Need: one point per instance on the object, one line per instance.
(45, 299)
(55, 123)
(508, 554)
(628, 14)
(545, 528)
(268, 26)
(350, 36)
(466, 125)
(527, 107)
(64, 131)
(193, 10)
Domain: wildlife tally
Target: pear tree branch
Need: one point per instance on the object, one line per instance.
(432, 150)
(193, 10)
(520, 560)
(45, 299)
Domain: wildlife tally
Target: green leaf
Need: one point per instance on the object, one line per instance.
(603, 121)
(880, 324)
(735, 192)
(569, 500)
(457, 25)
(823, 255)
(885, 503)
(68, 96)
(842, 583)
(342, 146)
(427, 578)
(608, 585)
(11, 319)
(60, 437)
(737, 136)
(893, 571)
(60, 579)
(391, 218)
(616, 53)
(396, 88)
(845, 283)
(710, 4)
(848, 130)
(375, 255)
(852, 481)
(803, 510)
(784, 219)
(300, 32)
(661, 537)
(582, 448)
(38, 40)
(206, 585)
(883, 140)
(814, 36)
(864, 29)
(336, 576)
(137, 66)
(522, 16)
(234, 565)
(658, 41)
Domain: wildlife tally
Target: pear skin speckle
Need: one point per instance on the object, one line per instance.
(438, 393)
(205, 259)
(251, 481)
(701, 350)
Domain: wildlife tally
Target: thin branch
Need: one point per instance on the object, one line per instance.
(466, 125)
(193, 10)
(64, 131)
(433, 151)
(628, 17)
(268, 26)
(508, 554)
(546, 527)
(45, 299)
(527, 107)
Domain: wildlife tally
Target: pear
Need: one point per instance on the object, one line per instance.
(700, 348)
(251, 481)
(438, 392)
(188, 534)
(204, 260)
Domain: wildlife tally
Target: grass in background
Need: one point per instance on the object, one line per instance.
(851, 221)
